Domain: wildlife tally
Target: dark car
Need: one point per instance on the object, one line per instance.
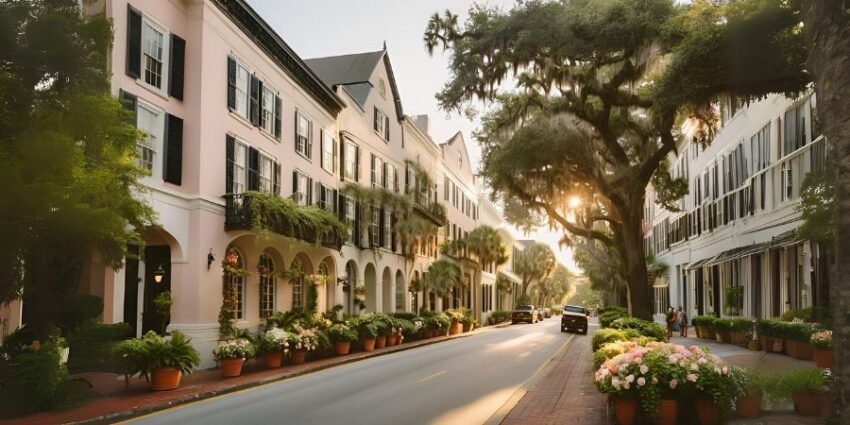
(574, 319)
(545, 313)
(524, 313)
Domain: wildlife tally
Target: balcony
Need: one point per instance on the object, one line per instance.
(432, 210)
(257, 211)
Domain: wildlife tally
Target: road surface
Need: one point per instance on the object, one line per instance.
(461, 381)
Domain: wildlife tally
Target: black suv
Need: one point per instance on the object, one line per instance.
(574, 319)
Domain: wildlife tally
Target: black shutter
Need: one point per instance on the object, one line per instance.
(323, 198)
(228, 170)
(342, 159)
(178, 64)
(340, 205)
(254, 105)
(387, 129)
(276, 181)
(309, 191)
(335, 197)
(173, 159)
(375, 119)
(134, 42)
(322, 148)
(357, 213)
(393, 240)
(384, 176)
(277, 106)
(357, 164)
(128, 100)
(373, 169)
(381, 235)
(231, 83)
(395, 180)
(294, 182)
(253, 169)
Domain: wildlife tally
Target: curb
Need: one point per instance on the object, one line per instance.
(152, 408)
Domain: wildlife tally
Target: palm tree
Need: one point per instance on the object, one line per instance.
(442, 275)
(534, 263)
(486, 244)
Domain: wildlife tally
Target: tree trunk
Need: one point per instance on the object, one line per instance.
(634, 261)
(827, 32)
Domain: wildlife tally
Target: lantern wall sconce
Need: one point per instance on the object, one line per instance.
(210, 259)
(158, 274)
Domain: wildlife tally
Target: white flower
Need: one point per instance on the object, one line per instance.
(673, 383)
(643, 369)
(725, 370)
(694, 366)
(625, 385)
(641, 381)
(692, 377)
(630, 379)
(615, 382)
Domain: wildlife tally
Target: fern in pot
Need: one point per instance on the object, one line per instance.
(160, 360)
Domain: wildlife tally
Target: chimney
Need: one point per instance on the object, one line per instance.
(423, 122)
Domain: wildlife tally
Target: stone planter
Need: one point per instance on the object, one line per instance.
(765, 342)
(722, 337)
(754, 345)
(738, 338)
(708, 332)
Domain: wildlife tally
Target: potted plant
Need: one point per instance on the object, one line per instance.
(821, 342)
(303, 342)
(274, 343)
(753, 387)
(805, 387)
(231, 355)
(705, 325)
(456, 318)
(367, 332)
(160, 360)
(616, 377)
(342, 336)
(383, 329)
(797, 335)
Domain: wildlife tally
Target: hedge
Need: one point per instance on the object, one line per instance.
(703, 321)
(609, 316)
(821, 315)
(645, 327)
(737, 324)
(604, 336)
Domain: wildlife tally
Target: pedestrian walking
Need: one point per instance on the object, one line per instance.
(683, 322)
(671, 318)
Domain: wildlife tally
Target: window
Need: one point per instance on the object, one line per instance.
(268, 111)
(268, 285)
(265, 174)
(242, 83)
(150, 122)
(446, 189)
(374, 227)
(390, 178)
(329, 154)
(240, 164)
(787, 180)
(297, 286)
(302, 188)
(388, 220)
(377, 172)
(349, 171)
(381, 124)
(153, 46)
(236, 282)
(303, 136)
(350, 217)
(327, 198)
(399, 293)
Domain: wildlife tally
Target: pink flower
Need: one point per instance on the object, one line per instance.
(673, 383)
(692, 377)
(725, 370)
(625, 385)
(641, 382)
(630, 379)
(654, 381)
(694, 366)
(643, 369)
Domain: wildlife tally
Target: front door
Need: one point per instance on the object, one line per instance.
(155, 257)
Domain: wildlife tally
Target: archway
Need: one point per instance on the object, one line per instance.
(327, 270)
(139, 276)
(301, 295)
(400, 292)
(387, 291)
(349, 285)
(371, 284)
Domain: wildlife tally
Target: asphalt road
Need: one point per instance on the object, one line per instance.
(461, 381)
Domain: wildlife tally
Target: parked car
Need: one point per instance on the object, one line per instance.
(545, 313)
(574, 319)
(524, 313)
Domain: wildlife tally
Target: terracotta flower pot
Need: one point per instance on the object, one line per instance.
(766, 343)
(824, 358)
(165, 378)
(299, 356)
(342, 348)
(791, 348)
(231, 367)
(748, 406)
(709, 332)
(698, 331)
(706, 412)
(381, 341)
(392, 340)
(667, 412)
(369, 344)
(778, 345)
(273, 359)
(754, 345)
(626, 410)
(807, 404)
(738, 338)
(456, 328)
(804, 351)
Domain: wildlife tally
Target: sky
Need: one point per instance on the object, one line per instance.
(317, 28)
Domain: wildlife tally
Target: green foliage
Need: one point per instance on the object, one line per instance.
(771, 327)
(645, 327)
(703, 321)
(733, 297)
(152, 351)
(18, 341)
(57, 112)
(93, 347)
(403, 315)
(670, 190)
(408, 328)
(238, 348)
(609, 316)
(341, 333)
(554, 288)
(485, 242)
(285, 216)
(364, 326)
(37, 375)
(604, 336)
(822, 315)
(733, 325)
(817, 206)
(535, 262)
(501, 315)
(80, 309)
(805, 380)
(442, 275)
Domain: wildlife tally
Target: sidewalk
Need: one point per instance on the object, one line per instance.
(566, 395)
(116, 403)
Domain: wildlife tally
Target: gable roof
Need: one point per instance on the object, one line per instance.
(352, 71)
(458, 137)
(247, 19)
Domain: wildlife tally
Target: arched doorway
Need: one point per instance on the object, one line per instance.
(328, 273)
(387, 291)
(371, 283)
(400, 291)
(302, 297)
(233, 283)
(140, 275)
(349, 285)
(268, 285)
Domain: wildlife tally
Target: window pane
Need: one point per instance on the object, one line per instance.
(268, 110)
(242, 78)
(152, 55)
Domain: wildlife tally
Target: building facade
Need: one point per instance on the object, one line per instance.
(229, 108)
(733, 248)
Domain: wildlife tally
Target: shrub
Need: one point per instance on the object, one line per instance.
(702, 321)
(364, 326)
(806, 380)
(275, 339)
(604, 336)
(770, 328)
(79, 309)
(798, 331)
(239, 348)
(822, 315)
(18, 341)
(821, 340)
(614, 308)
(152, 351)
(408, 329)
(645, 327)
(606, 318)
(37, 377)
(501, 315)
(341, 333)
(403, 315)
(93, 345)
(733, 324)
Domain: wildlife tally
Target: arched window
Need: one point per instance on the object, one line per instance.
(399, 292)
(325, 271)
(235, 282)
(268, 286)
(297, 286)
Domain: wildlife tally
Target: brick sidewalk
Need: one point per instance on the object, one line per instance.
(566, 395)
(116, 403)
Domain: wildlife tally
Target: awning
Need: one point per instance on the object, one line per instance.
(510, 276)
(785, 239)
(700, 263)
